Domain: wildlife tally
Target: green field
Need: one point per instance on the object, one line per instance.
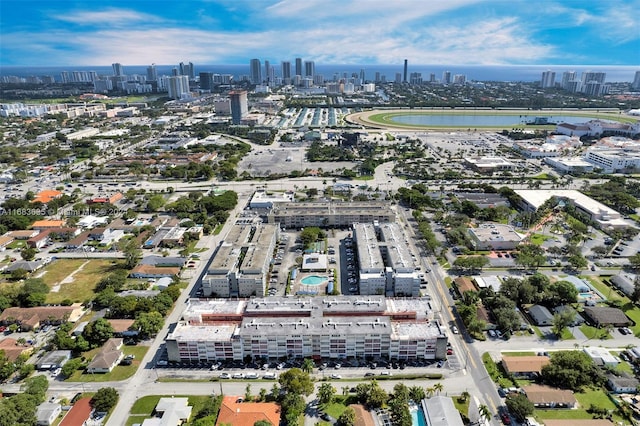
(79, 286)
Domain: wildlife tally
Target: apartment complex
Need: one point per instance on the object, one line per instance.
(330, 327)
(387, 266)
(329, 215)
(241, 263)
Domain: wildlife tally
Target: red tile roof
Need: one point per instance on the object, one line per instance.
(237, 413)
(78, 413)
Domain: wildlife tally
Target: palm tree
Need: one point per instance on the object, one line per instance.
(484, 412)
(430, 391)
(308, 366)
(465, 395)
(438, 387)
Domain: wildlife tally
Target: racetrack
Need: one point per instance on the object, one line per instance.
(383, 119)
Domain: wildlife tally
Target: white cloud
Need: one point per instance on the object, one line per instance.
(108, 17)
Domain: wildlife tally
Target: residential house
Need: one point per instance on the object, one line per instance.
(78, 414)
(162, 261)
(32, 318)
(78, 241)
(47, 224)
(601, 316)
(543, 396)
(233, 411)
(148, 271)
(12, 350)
(577, 318)
(540, 315)
(109, 356)
(624, 383)
(53, 360)
(601, 356)
(464, 284)
(23, 234)
(121, 327)
(5, 240)
(170, 412)
(440, 411)
(27, 265)
(524, 366)
(106, 199)
(47, 413)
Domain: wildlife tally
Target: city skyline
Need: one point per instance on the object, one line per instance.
(590, 32)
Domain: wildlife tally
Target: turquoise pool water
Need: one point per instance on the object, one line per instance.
(417, 417)
(313, 280)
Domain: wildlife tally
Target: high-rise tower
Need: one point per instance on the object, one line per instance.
(239, 105)
(309, 68)
(117, 69)
(548, 79)
(298, 66)
(255, 71)
(406, 68)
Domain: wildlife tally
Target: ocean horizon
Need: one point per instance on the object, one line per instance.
(522, 73)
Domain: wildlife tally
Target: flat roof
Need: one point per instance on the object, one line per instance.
(538, 197)
(488, 232)
(205, 333)
(397, 247)
(225, 259)
(369, 254)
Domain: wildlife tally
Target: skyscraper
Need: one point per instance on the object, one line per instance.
(286, 71)
(178, 86)
(187, 69)
(152, 73)
(255, 71)
(568, 77)
(206, 80)
(117, 69)
(309, 68)
(548, 79)
(239, 105)
(406, 68)
(589, 76)
(267, 71)
(446, 77)
(362, 76)
(636, 82)
(298, 66)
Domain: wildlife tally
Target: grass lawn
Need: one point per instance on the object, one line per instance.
(519, 353)
(84, 280)
(538, 239)
(144, 406)
(603, 288)
(595, 333)
(566, 334)
(120, 372)
(338, 405)
(461, 405)
(597, 398)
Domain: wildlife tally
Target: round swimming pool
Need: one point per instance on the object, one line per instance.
(313, 280)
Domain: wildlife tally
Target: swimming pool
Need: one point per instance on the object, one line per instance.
(417, 416)
(313, 280)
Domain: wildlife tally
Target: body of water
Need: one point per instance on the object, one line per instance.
(480, 120)
(525, 73)
(417, 416)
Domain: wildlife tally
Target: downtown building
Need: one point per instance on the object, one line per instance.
(241, 263)
(329, 327)
(387, 266)
(329, 215)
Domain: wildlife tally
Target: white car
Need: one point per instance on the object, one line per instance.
(336, 376)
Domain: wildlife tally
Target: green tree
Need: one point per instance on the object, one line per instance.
(71, 366)
(560, 293)
(293, 406)
(148, 323)
(348, 417)
(262, 423)
(326, 392)
(296, 381)
(577, 262)
(132, 252)
(308, 365)
(97, 332)
(561, 321)
(28, 253)
(520, 406)
(571, 370)
(155, 203)
(37, 387)
(104, 399)
(417, 393)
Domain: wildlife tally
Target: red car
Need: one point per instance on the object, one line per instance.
(449, 351)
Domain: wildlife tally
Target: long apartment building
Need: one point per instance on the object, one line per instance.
(241, 263)
(330, 327)
(387, 266)
(329, 214)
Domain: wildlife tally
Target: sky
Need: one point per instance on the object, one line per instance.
(439, 32)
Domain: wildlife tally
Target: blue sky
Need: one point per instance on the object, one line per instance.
(451, 32)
